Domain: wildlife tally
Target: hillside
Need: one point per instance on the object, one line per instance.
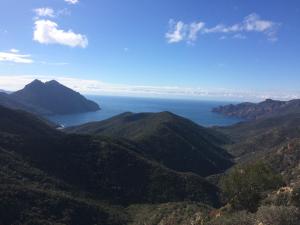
(30, 196)
(7, 101)
(253, 138)
(267, 108)
(64, 178)
(169, 139)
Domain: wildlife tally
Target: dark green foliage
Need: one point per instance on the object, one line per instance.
(167, 138)
(278, 215)
(254, 139)
(48, 177)
(30, 196)
(177, 213)
(28, 205)
(244, 186)
(296, 197)
(266, 215)
(113, 171)
(237, 218)
(23, 124)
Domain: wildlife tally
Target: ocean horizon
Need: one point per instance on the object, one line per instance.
(199, 111)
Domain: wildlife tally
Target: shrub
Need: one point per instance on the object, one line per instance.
(244, 186)
(296, 197)
(278, 215)
(238, 218)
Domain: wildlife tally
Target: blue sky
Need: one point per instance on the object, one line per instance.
(192, 48)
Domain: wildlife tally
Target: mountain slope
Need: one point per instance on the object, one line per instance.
(167, 138)
(267, 108)
(255, 138)
(30, 196)
(96, 167)
(48, 98)
(21, 123)
(7, 101)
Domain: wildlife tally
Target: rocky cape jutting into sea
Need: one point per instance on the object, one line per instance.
(49, 98)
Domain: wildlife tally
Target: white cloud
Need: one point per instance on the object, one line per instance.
(49, 12)
(251, 23)
(14, 56)
(44, 12)
(47, 32)
(194, 29)
(180, 31)
(13, 50)
(96, 87)
(73, 2)
(177, 31)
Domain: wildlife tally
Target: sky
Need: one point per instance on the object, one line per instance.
(193, 48)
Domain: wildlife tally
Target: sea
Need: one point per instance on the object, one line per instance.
(199, 111)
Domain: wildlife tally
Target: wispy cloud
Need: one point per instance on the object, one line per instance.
(44, 12)
(47, 32)
(73, 2)
(180, 31)
(49, 12)
(14, 56)
(97, 87)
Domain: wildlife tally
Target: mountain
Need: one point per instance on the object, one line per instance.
(7, 101)
(52, 98)
(174, 141)
(273, 140)
(22, 124)
(252, 139)
(49, 177)
(267, 108)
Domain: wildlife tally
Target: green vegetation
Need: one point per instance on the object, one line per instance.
(244, 186)
(50, 177)
(128, 170)
(174, 141)
(178, 213)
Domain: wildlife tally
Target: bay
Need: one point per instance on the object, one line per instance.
(199, 111)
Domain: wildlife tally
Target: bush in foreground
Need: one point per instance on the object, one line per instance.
(245, 186)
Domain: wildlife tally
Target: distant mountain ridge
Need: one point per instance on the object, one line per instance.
(174, 141)
(47, 99)
(253, 111)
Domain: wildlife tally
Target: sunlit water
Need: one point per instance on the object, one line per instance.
(197, 111)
